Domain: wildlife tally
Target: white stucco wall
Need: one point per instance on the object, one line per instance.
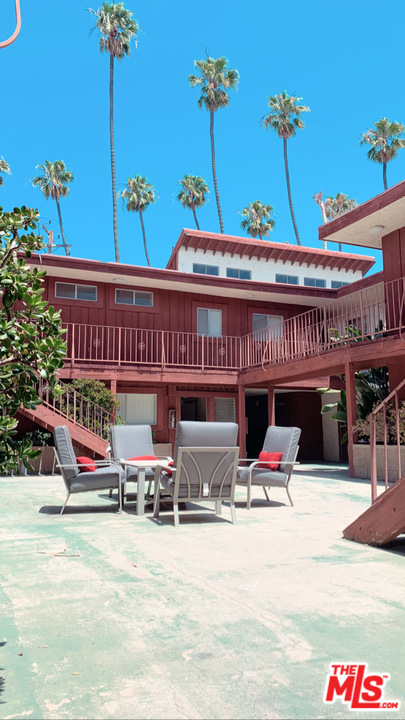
(262, 270)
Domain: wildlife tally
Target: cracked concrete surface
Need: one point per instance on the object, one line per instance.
(109, 616)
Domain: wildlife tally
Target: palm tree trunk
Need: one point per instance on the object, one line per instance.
(61, 227)
(385, 175)
(214, 171)
(144, 237)
(112, 151)
(195, 217)
(287, 176)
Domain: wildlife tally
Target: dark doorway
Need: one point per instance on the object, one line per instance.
(257, 415)
(194, 409)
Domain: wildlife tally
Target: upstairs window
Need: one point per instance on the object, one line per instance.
(337, 284)
(238, 273)
(288, 279)
(71, 291)
(209, 322)
(205, 269)
(133, 297)
(267, 326)
(315, 282)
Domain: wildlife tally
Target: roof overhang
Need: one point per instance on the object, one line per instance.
(367, 224)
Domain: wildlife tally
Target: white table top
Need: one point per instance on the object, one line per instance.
(146, 463)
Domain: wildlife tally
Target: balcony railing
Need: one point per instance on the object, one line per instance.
(372, 313)
(385, 427)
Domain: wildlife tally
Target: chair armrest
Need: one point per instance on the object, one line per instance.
(99, 463)
(253, 462)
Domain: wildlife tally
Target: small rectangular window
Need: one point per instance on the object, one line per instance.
(209, 322)
(315, 282)
(239, 273)
(133, 297)
(71, 291)
(288, 279)
(337, 284)
(205, 269)
(267, 326)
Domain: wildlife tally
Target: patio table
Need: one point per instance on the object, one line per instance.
(141, 466)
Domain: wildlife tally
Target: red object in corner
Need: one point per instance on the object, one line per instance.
(273, 460)
(88, 464)
(144, 457)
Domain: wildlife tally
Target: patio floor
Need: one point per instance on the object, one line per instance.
(109, 616)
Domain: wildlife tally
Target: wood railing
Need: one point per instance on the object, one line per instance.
(385, 428)
(78, 409)
(372, 313)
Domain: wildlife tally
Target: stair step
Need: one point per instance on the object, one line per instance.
(49, 419)
(383, 521)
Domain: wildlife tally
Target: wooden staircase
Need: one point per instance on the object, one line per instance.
(81, 437)
(383, 521)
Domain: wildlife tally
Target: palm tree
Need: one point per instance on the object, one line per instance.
(215, 80)
(333, 207)
(257, 221)
(193, 193)
(53, 184)
(384, 142)
(117, 28)
(138, 195)
(4, 168)
(284, 119)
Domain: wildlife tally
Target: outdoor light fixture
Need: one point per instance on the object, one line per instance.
(249, 295)
(377, 229)
(118, 280)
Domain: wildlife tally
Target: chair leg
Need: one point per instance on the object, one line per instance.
(233, 513)
(176, 514)
(149, 487)
(156, 500)
(266, 493)
(110, 493)
(218, 507)
(248, 500)
(289, 496)
(119, 496)
(140, 492)
(67, 498)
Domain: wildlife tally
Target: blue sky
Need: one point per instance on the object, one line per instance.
(55, 105)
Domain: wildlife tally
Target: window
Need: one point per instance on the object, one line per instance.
(209, 322)
(240, 274)
(71, 291)
(314, 282)
(261, 323)
(205, 269)
(337, 284)
(224, 409)
(289, 279)
(133, 297)
(137, 408)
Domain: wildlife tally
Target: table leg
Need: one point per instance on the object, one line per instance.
(140, 495)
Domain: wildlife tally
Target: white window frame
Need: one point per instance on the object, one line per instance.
(76, 286)
(205, 266)
(134, 303)
(288, 280)
(238, 271)
(273, 321)
(314, 282)
(210, 311)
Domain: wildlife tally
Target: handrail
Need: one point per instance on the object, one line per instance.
(15, 34)
(373, 439)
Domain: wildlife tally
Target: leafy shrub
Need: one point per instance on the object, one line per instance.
(363, 426)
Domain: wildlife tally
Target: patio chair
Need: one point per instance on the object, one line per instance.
(278, 440)
(204, 467)
(128, 441)
(105, 476)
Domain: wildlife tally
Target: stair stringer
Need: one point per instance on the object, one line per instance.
(383, 521)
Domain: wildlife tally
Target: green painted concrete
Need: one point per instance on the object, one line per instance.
(137, 619)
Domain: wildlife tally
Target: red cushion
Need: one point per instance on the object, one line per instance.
(144, 457)
(88, 464)
(273, 457)
(169, 472)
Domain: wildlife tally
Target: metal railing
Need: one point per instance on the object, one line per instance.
(386, 430)
(374, 312)
(78, 409)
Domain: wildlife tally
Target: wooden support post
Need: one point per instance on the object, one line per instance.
(271, 405)
(351, 404)
(242, 421)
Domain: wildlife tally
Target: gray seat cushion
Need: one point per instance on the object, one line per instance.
(268, 478)
(101, 479)
(205, 434)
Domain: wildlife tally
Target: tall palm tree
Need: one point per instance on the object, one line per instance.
(384, 142)
(117, 28)
(53, 184)
(333, 207)
(257, 221)
(215, 80)
(284, 119)
(138, 195)
(193, 193)
(4, 168)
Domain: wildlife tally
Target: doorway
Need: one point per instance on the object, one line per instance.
(193, 408)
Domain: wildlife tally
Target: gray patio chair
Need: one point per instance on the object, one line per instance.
(278, 439)
(204, 467)
(106, 475)
(128, 441)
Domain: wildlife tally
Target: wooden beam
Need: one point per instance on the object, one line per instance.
(271, 405)
(242, 421)
(351, 407)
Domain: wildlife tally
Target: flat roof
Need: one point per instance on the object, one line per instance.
(283, 252)
(355, 227)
